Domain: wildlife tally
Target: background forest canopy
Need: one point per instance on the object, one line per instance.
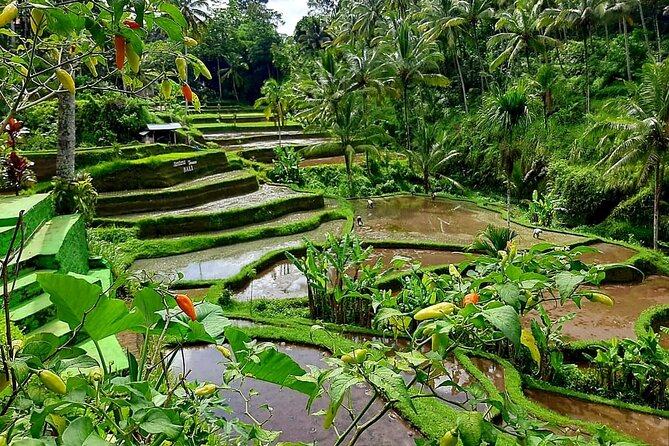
(497, 96)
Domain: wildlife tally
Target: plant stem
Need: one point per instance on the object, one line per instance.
(354, 423)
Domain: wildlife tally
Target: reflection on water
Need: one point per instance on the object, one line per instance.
(289, 414)
(649, 428)
(226, 261)
(283, 280)
(442, 220)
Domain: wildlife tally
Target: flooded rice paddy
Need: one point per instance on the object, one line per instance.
(226, 261)
(289, 413)
(417, 218)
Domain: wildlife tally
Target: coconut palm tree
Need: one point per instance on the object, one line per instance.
(349, 132)
(521, 31)
(429, 153)
(638, 129)
(195, 12)
(583, 16)
(475, 12)
(441, 18)
(412, 60)
(275, 99)
(548, 80)
(508, 111)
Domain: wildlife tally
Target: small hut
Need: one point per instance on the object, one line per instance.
(161, 133)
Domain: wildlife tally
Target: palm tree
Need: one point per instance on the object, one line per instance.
(412, 59)
(234, 72)
(475, 12)
(349, 131)
(583, 15)
(275, 99)
(521, 32)
(507, 110)
(548, 80)
(442, 18)
(196, 13)
(429, 153)
(639, 130)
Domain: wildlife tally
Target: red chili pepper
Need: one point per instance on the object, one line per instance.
(132, 24)
(187, 92)
(119, 45)
(186, 305)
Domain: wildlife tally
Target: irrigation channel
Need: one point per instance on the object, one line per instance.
(415, 219)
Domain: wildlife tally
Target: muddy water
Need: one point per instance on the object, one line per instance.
(649, 428)
(609, 253)
(442, 220)
(597, 321)
(289, 414)
(226, 261)
(283, 280)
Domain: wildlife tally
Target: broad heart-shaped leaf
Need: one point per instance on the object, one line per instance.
(566, 283)
(74, 298)
(392, 385)
(81, 433)
(148, 302)
(506, 320)
(209, 327)
(272, 366)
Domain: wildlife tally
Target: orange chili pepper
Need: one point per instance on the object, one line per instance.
(186, 305)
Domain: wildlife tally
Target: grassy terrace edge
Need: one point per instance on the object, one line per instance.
(433, 418)
(193, 223)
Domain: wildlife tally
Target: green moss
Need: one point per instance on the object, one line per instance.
(135, 249)
(36, 215)
(650, 317)
(156, 171)
(73, 253)
(514, 388)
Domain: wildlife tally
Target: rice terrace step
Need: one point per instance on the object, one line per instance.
(194, 192)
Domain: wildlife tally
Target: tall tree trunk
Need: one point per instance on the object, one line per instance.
(627, 50)
(659, 39)
(407, 127)
(218, 75)
(462, 81)
(66, 136)
(480, 58)
(656, 204)
(643, 26)
(587, 73)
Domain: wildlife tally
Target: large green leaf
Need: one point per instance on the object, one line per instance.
(271, 366)
(506, 320)
(392, 385)
(148, 302)
(567, 282)
(158, 421)
(74, 298)
(209, 326)
(81, 433)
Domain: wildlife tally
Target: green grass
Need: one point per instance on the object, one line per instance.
(122, 247)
